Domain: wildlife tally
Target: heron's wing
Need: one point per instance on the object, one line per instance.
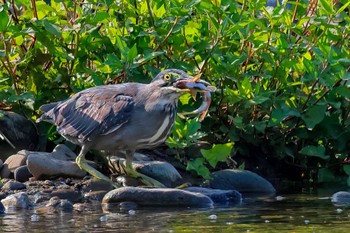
(94, 112)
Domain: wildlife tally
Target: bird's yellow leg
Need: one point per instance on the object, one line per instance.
(82, 163)
(144, 179)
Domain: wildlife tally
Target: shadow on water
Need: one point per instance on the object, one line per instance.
(287, 213)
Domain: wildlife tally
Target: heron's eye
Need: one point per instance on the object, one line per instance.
(167, 77)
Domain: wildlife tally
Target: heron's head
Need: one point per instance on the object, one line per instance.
(177, 82)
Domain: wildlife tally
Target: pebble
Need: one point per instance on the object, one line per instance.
(16, 201)
(13, 185)
(103, 218)
(213, 217)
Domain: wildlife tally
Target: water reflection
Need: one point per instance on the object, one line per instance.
(290, 213)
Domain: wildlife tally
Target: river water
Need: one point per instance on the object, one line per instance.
(284, 213)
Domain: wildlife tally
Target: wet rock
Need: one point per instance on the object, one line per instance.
(141, 157)
(16, 133)
(241, 180)
(16, 160)
(161, 171)
(13, 185)
(42, 167)
(96, 185)
(95, 195)
(61, 204)
(157, 197)
(219, 196)
(22, 173)
(5, 172)
(341, 198)
(68, 194)
(16, 201)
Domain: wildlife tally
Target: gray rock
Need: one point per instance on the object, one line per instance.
(61, 204)
(44, 167)
(13, 185)
(16, 201)
(22, 173)
(219, 196)
(157, 197)
(95, 195)
(62, 152)
(341, 198)
(163, 172)
(92, 185)
(68, 194)
(17, 160)
(5, 172)
(241, 180)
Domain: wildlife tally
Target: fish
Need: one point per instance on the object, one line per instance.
(197, 85)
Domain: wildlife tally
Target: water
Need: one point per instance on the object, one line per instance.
(286, 213)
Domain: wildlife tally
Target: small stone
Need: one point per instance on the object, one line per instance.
(95, 195)
(103, 218)
(22, 174)
(34, 218)
(69, 194)
(13, 185)
(157, 197)
(131, 212)
(16, 160)
(341, 198)
(16, 201)
(96, 185)
(213, 217)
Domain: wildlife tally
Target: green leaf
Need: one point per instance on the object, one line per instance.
(4, 19)
(325, 176)
(53, 28)
(219, 152)
(314, 115)
(314, 151)
(198, 166)
(346, 169)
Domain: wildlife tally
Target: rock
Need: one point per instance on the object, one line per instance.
(44, 167)
(61, 204)
(95, 195)
(17, 160)
(92, 185)
(341, 198)
(68, 194)
(161, 171)
(5, 172)
(219, 196)
(22, 173)
(157, 197)
(13, 185)
(241, 180)
(62, 152)
(141, 157)
(1, 164)
(16, 201)
(16, 133)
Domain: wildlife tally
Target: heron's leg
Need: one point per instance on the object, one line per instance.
(144, 179)
(82, 163)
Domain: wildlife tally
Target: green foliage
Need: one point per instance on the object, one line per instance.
(282, 73)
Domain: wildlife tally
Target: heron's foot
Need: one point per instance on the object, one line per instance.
(148, 181)
(82, 163)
